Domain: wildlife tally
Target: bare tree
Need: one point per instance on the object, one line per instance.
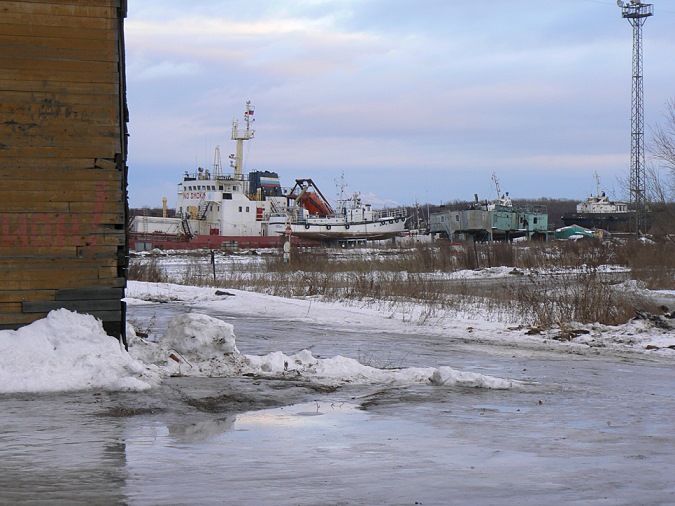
(662, 150)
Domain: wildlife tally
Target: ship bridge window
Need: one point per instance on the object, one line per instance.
(239, 208)
(234, 188)
(247, 209)
(534, 220)
(220, 187)
(227, 196)
(457, 217)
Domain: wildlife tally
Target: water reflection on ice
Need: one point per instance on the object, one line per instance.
(301, 416)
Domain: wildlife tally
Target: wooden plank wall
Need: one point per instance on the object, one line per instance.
(63, 173)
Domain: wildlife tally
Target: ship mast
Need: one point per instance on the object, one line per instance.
(597, 183)
(241, 135)
(217, 164)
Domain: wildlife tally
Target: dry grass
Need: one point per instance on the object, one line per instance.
(147, 269)
(566, 284)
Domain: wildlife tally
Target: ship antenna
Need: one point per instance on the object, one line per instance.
(340, 184)
(239, 135)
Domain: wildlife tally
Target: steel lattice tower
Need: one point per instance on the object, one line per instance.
(637, 13)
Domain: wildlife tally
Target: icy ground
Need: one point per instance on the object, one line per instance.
(243, 398)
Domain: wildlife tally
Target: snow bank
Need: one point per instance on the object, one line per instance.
(68, 351)
(341, 370)
(199, 345)
(193, 345)
(200, 334)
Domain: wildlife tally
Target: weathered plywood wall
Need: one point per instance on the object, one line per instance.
(63, 202)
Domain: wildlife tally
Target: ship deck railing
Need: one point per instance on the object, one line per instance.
(394, 212)
(377, 214)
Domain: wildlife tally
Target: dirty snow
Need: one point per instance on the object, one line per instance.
(68, 351)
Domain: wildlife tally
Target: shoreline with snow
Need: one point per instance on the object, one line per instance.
(67, 351)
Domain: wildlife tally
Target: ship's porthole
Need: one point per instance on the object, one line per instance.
(347, 227)
(306, 225)
(327, 227)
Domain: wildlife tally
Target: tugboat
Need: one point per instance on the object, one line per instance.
(598, 212)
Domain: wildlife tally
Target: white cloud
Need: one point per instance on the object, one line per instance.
(163, 70)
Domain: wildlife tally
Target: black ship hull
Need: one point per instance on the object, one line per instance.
(611, 222)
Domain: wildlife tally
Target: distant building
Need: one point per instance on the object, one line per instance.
(63, 152)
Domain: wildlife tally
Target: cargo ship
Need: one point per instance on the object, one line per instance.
(216, 209)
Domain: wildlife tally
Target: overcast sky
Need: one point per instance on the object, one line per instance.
(413, 100)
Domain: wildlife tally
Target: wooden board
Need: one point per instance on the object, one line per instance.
(20, 101)
(61, 282)
(49, 86)
(42, 46)
(90, 3)
(68, 9)
(88, 177)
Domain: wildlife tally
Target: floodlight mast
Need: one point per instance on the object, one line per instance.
(637, 13)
